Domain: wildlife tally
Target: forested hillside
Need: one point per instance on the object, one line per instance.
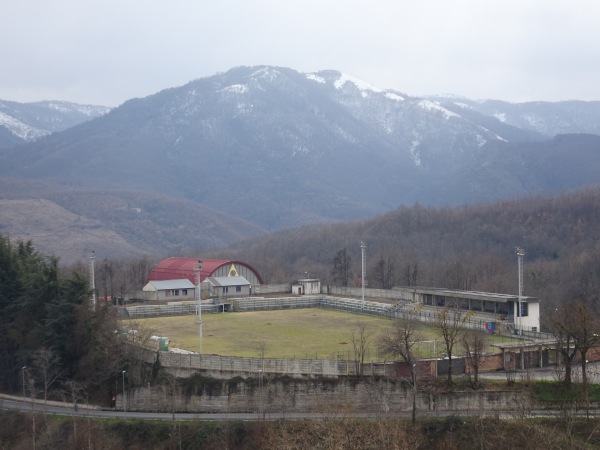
(471, 247)
(222, 158)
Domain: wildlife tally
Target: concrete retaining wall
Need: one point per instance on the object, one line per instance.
(317, 396)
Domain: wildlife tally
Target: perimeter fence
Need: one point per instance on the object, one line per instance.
(399, 310)
(297, 367)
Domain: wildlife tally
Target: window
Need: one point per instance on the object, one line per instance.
(524, 310)
(238, 289)
(184, 292)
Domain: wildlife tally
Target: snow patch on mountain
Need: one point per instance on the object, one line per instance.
(414, 149)
(243, 109)
(482, 141)
(435, 106)
(533, 120)
(266, 73)
(314, 77)
(300, 150)
(393, 96)
(345, 135)
(235, 89)
(462, 105)
(361, 85)
(500, 116)
(67, 107)
(20, 129)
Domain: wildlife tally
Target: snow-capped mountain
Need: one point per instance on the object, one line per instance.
(278, 148)
(545, 118)
(26, 122)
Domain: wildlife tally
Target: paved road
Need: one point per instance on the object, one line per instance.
(67, 409)
(57, 408)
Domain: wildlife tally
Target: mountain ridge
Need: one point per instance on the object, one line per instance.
(277, 148)
(27, 122)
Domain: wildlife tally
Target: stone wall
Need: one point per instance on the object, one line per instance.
(313, 396)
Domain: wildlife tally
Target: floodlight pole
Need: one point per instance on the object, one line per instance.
(363, 246)
(520, 255)
(199, 298)
(93, 279)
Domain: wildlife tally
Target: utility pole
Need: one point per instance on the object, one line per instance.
(199, 307)
(93, 279)
(24, 367)
(363, 246)
(124, 400)
(414, 405)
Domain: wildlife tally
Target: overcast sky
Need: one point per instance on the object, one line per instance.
(105, 52)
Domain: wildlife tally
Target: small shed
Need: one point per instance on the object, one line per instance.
(226, 286)
(307, 286)
(171, 290)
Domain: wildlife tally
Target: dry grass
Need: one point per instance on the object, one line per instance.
(297, 333)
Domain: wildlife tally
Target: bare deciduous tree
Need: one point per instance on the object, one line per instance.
(139, 338)
(473, 343)
(450, 322)
(586, 327)
(360, 338)
(401, 342)
(559, 322)
(342, 272)
(383, 272)
(74, 391)
(46, 365)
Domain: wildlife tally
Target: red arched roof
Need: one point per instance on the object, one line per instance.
(180, 268)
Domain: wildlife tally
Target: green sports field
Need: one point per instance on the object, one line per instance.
(297, 333)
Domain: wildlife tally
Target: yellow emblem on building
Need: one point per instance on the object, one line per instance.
(233, 270)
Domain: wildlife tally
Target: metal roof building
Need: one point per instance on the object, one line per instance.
(182, 289)
(507, 305)
(168, 285)
(179, 268)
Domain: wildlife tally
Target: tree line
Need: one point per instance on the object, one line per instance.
(470, 247)
(52, 339)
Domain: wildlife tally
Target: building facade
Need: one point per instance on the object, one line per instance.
(180, 268)
(171, 290)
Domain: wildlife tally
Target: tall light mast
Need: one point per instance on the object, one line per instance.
(520, 255)
(363, 246)
(93, 279)
(199, 304)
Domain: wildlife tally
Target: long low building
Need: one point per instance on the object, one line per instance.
(505, 305)
(226, 286)
(172, 290)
